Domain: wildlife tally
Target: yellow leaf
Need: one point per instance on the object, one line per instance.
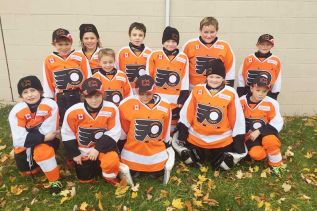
(211, 184)
(121, 190)
(149, 196)
(83, 206)
(306, 169)
(134, 195)
(267, 206)
(260, 204)
(201, 179)
(309, 155)
(170, 208)
(304, 197)
(239, 174)
(177, 203)
(64, 193)
(281, 200)
(65, 198)
(163, 193)
(286, 187)
(12, 179)
(18, 189)
(203, 169)
(135, 188)
(3, 147)
(176, 179)
(100, 205)
(26, 209)
(263, 174)
(256, 168)
(197, 203)
(216, 174)
(98, 195)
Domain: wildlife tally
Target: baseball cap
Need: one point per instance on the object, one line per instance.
(59, 33)
(266, 38)
(145, 83)
(91, 85)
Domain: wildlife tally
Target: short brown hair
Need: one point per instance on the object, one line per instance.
(138, 26)
(106, 52)
(207, 21)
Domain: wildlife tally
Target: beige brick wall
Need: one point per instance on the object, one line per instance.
(28, 26)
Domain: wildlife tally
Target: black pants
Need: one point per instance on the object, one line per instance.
(212, 156)
(65, 100)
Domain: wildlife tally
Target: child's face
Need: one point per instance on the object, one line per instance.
(145, 97)
(170, 45)
(94, 100)
(208, 33)
(264, 47)
(63, 48)
(107, 63)
(90, 41)
(136, 37)
(31, 95)
(214, 80)
(258, 93)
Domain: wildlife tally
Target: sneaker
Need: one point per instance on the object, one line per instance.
(55, 187)
(112, 181)
(277, 170)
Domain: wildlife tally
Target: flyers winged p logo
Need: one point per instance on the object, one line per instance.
(202, 64)
(253, 74)
(208, 114)
(67, 77)
(254, 124)
(113, 96)
(146, 130)
(89, 136)
(134, 71)
(170, 78)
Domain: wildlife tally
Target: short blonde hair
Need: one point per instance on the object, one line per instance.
(106, 52)
(207, 21)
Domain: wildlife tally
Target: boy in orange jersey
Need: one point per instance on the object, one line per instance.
(115, 82)
(132, 59)
(64, 71)
(205, 48)
(261, 62)
(90, 133)
(34, 125)
(145, 120)
(263, 123)
(211, 126)
(169, 68)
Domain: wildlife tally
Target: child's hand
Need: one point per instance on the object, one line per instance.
(58, 134)
(254, 135)
(93, 154)
(77, 159)
(50, 136)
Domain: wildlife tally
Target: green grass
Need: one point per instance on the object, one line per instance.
(230, 192)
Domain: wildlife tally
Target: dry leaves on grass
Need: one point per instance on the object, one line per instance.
(177, 203)
(122, 188)
(286, 187)
(99, 198)
(18, 189)
(67, 194)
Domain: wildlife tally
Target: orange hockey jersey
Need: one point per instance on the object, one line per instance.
(171, 76)
(87, 130)
(199, 55)
(212, 119)
(117, 88)
(131, 64)
(146, 129)
(93, 61)
(22, 121)
(265, 112)
(64, 74)
(253, 66)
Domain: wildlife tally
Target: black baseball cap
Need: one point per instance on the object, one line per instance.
(61, 33)
(144, 83)
(91, 85)
(266, 38)
(261, 80)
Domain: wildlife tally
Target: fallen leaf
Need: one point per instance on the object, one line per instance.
(149, 196)
(286, 187)
(65, 198)
(135, 188)
(211, 184)
(26, 209)
(3, 147)
(134, 195)
(304, 197)
(18, 189)
(163, 193)
(281, 200)
(216, 174)
(197, 203)
(83, 206)
(210, 202)
(176, 179)
(238, 200)
(177, 203)
(203, 169)
(166, 203)
(260, 204)
(263, 174)
(188, 205)
(149, 190)
(309, 155)
(239, 174)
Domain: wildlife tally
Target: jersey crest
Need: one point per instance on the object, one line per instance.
(252, 74)
(88, 136)
(67, 77)
(167, 77)
(134, 71)
(146, 130)
(201, 64)
(208, 114)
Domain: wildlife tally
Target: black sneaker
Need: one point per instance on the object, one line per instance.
(55, 187)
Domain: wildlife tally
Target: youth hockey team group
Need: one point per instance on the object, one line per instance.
(135, 107)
